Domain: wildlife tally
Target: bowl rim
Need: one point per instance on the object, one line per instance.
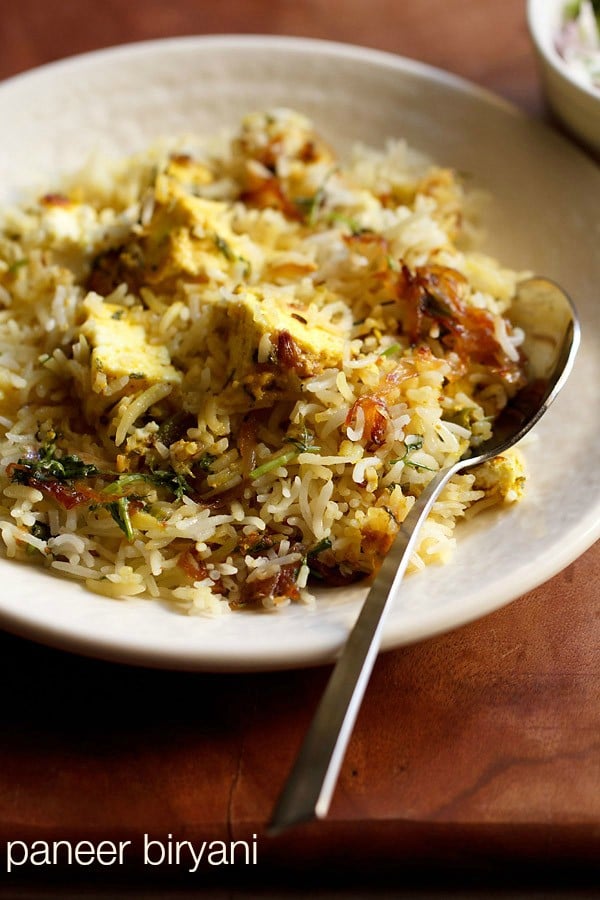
(292, 43)
(294, 658)
(536, 12)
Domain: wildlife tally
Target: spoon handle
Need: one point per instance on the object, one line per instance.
(309, 788)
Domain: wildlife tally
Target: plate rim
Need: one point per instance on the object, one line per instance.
(156, 657)
(291, 42)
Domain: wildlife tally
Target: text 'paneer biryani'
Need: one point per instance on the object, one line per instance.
(228, 367)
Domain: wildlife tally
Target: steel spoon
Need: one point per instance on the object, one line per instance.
(552, 333)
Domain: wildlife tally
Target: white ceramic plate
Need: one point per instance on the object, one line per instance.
(544, 217)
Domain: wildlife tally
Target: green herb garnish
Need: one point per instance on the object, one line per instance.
(173, 428)
(47, 465)
(281, 460)
(389, 351)
(41, 531)
(206, 461)
(312, 554)
(461, 417)
(310, 206)
(391, 515)
(18, 264)
(173, 481)
(323, 545)
(299, 445)
(411, 447)
(120, 513)
(302, 446)
(224, 248)
(349, 222)
(263, 543)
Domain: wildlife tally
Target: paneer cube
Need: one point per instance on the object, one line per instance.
(188, 236)
(271, 348)
(502, 478)
(121, 350)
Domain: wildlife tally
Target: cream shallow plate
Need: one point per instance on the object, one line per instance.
(544, 217)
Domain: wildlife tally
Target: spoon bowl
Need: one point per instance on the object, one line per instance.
(552, 334)
(551, 338)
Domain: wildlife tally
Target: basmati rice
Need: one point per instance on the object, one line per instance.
(229, 368)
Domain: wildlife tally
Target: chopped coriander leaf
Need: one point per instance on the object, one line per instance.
(263, 543)
(349, 222)
(323, 545)
(391, 515)
(206, 461)
(18, 264)
(118, 314)
(318, 568)
(41, 530)
(224, 248)
(120, 513)
(299, 445)
(171, 480)
(416, 465)
(137, 375)
(389, 351)
(461, 417)
(281, 460)
(309, 206)
(124, 481)
(415, 444)
(302, 446)
(174, 428)
(47, 465)
(303, 442)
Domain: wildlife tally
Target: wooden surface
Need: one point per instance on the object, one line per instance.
(475, 749)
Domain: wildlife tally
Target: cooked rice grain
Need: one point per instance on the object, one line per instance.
(229, 367)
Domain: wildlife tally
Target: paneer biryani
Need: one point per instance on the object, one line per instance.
(229, 365)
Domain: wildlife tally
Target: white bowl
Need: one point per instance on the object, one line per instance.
(116, 101)
(577, 105)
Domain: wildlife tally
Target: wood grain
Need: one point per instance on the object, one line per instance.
(481, 746)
